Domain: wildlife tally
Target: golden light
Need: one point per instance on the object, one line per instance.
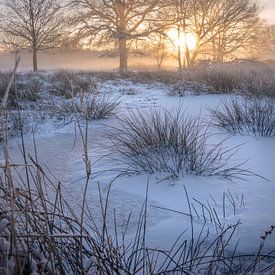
(182, 40)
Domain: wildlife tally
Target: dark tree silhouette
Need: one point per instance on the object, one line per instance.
(36, 24)
(119, 21)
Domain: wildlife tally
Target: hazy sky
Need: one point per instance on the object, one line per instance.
(268, 12)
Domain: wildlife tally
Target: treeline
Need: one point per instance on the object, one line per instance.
(223, 29)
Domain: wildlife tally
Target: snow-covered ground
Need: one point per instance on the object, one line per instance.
(250, 200)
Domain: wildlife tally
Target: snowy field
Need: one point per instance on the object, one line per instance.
(216, 202)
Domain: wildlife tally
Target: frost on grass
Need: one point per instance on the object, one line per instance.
(68, 84)
(185, 88)
(27, 88)
(23, 122)
(42, 234)
(238, 115)
(88, 107)
(158, 140)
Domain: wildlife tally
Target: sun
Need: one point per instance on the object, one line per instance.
(188, 40)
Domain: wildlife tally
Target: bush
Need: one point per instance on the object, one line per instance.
(28, 88)
(250, 78)
(23, 123)
(222, 78)
(161, 141)
(147, 77)
(69, 84)
(88, 107)
(129, 91)
(245, 116)
(183, 88)
(260, 86)
(4, 81)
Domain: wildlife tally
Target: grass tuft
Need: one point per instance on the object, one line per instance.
(90, 107)
(158, 140)
(251, 116)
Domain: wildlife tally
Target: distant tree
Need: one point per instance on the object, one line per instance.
(158, 45)
(35, 24)
(181, 12)
(116, 21)
(265, 44)
(222, 22)
(235, 36)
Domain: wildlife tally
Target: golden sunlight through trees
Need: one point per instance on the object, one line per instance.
(182, 40)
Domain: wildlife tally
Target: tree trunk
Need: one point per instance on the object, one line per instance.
(195, 52)
(220, 57)
(34, 59)
(123, 55)
(194, 57)
(179, 49)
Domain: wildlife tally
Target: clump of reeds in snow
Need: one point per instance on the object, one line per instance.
(90, 107)
(68, 83)
(185, 88)
(158, 140)
(251, 116)
(223, 78)
(28, 89)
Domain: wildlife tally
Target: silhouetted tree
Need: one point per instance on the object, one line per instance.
(222, 22)
(35, 24)
(118, 21)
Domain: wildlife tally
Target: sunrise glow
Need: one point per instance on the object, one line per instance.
(183, 40)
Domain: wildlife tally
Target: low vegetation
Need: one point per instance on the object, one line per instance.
(28, 88)
(239, 115)
(68, 84)
(41, 233)
(184, 88)
(44, 235)
(158, 140)
(88, 107)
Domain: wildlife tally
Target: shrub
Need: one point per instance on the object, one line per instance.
(23, 123)
(250, 78)
(165, 77)
(69, 84)
(183, 88)
(260, 86)
(245, 116)
(223, 79)
(4, 81)
(88, 107)
(161, 141)
(147, 77)
(129, 91)
(28, 88)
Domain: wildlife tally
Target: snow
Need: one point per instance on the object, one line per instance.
(254, 197)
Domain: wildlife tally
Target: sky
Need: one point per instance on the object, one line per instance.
(268, 12)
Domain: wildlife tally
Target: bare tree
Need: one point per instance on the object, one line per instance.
(35, 24)
(264, 46)
(181, 12)
(158, 46)
(235, 37)
(116, 21)
(211, 20)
